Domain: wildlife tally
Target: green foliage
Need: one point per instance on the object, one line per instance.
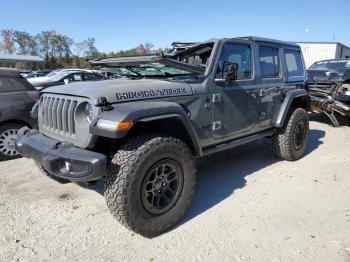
(56, 49)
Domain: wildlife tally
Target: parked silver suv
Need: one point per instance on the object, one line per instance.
(17, 97)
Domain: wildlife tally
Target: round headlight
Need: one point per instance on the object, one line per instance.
(89, 112)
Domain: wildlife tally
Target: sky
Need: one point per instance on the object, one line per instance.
(118, 25)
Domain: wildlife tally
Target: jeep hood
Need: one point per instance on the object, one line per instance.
(122, 90)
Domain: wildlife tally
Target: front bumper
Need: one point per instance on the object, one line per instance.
(60, 159)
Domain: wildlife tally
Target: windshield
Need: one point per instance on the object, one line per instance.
(53, 73)
(331, 65)
(147, 70)
(191, 61)
(59, 75)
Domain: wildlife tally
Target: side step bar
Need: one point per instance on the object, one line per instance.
(237, 142)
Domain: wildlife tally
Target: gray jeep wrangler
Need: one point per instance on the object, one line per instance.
(142, 133)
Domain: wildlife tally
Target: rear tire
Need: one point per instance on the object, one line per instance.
(8, 134)
(149, 183)
(46, 173)
(290, 142)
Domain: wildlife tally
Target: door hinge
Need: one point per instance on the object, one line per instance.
(217, 125)
(217, 98)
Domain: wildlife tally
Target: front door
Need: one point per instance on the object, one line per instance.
(235, 103)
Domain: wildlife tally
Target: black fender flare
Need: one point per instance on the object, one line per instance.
(290, 96)
(146, 111)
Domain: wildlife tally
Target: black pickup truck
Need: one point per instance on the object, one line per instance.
(328, 82)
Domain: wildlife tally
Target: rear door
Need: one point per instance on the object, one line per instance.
(270, 76)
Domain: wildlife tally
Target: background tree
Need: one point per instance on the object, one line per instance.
(8, 41)
(26, 44)
(91, 51)
(56, 49)
(80, 48)
(145, 49)
(43, 40)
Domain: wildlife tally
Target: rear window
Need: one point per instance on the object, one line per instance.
(294, 62)
(12, 84)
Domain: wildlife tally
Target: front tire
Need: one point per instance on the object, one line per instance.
(149, 183)
(290, 142)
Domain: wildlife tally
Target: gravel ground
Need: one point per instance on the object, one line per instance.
(249, 206)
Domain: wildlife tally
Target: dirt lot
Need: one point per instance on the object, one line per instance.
(248, 207)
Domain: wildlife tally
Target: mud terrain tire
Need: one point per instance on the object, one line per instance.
(133, 185)
(290, 142)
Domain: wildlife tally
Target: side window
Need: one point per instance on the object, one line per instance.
(10, 84)
(239, 54)
(269, 62)
(77, 77)
(89, 77)
(294, 62)
(74, 77)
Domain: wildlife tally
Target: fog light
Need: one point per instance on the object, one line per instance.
(66, 168)
(74, 168)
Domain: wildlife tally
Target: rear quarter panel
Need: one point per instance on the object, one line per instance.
(16, 106)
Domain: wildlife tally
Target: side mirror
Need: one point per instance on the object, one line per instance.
(229, 72)
(66, 81)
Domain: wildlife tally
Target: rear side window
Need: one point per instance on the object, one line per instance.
(294, 62)
(269, 62)
(12, 84)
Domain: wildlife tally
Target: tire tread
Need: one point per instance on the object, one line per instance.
(121, 174)
(281, 141)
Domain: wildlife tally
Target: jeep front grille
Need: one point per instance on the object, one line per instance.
(57, 114)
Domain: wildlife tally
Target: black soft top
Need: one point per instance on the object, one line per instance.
(268, 40)
(4, 71)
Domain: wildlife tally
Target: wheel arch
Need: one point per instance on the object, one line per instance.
(298, 98)
(16, 121)
(151, 117)
(174, 125)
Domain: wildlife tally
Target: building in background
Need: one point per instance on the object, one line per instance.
(316, 51)
(27, 61)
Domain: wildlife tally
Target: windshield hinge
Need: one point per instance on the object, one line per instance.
(103, 102)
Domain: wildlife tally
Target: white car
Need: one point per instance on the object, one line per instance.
(38, 80)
